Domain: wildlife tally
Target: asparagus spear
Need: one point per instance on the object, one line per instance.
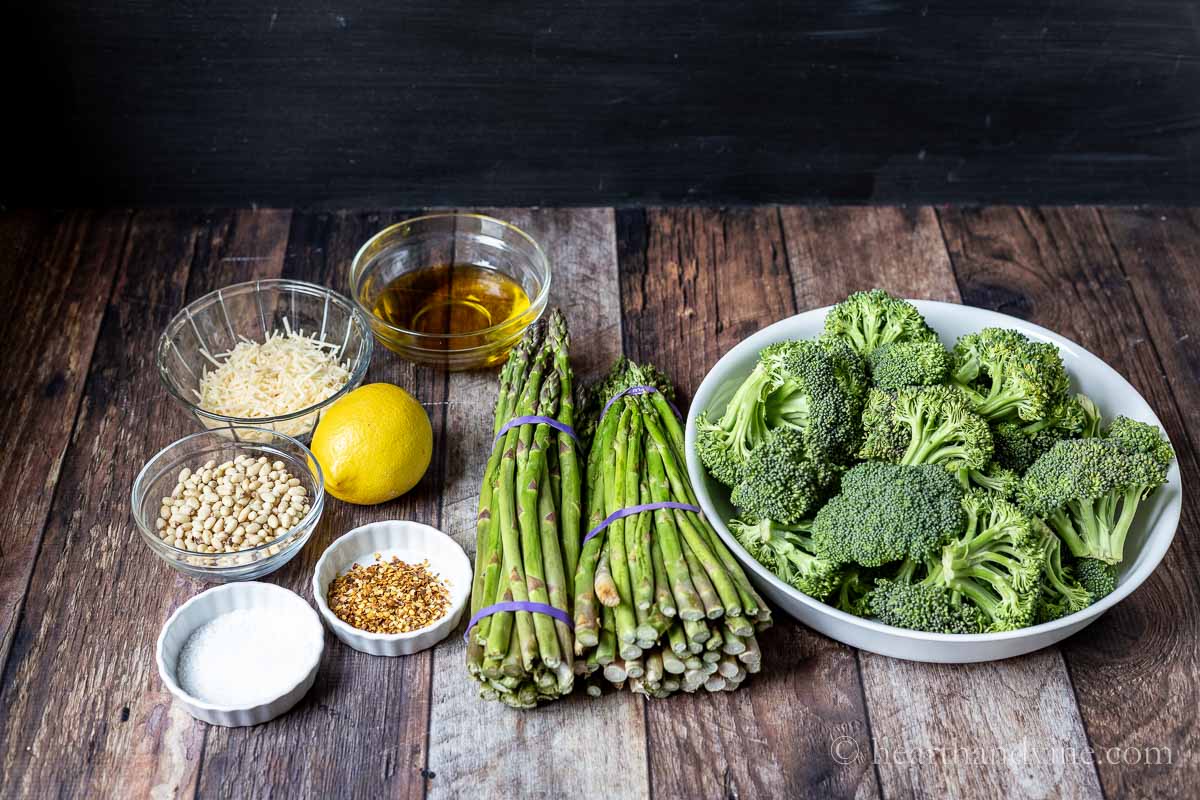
(618, 559)
(567, 456)
(529, 479)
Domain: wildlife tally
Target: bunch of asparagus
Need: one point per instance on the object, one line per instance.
(527, 532)
(661, 605)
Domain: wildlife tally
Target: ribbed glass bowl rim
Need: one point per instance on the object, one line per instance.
(536, 305)
(257, 286)
(138, 492)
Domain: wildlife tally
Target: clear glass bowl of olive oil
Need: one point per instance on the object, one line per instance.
(455, 291)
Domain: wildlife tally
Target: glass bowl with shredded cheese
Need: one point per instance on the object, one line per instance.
(270, 354)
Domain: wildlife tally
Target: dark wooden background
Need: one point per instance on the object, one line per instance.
(328, 103)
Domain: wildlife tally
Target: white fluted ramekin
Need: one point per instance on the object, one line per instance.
(412, 542)
(209, 605)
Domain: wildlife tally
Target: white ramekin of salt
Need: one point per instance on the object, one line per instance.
(242, 653)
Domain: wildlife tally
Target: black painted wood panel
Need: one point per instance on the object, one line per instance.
(601, 102)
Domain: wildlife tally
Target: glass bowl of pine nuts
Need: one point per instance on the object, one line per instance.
(229, 505)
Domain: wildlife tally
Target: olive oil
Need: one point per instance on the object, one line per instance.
(452, 300)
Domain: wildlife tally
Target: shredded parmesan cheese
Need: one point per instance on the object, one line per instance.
(286, 373)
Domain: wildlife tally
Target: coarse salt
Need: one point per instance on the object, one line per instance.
(247, 656)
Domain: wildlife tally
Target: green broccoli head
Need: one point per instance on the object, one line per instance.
(1141, 437)
(1097, 577)
(780, 483)
(923, 606)
(867, 320)
(724, 445)
(1088, 491)
(925, 425)
(1062, 593)
(996, 563)
(889, 512)
(787, 551)
(1017, 449)
(849, 369)
(915, 363)
(988, 578)
(807, 396)
(795, 385)
(1007, 376)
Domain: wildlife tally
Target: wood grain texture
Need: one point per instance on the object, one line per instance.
(1135, 669)
(361, 731)
(571, 748)
(926, 708)
(60, 266)
(693, 284)
(81, 716)
(370, 102)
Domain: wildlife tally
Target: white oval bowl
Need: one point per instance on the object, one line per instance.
(412, 542)
(211, 604)
(1147, 543)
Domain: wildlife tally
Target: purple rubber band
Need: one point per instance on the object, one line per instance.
(534, 420)
(635, 390)
(629, 512)
(518, 605)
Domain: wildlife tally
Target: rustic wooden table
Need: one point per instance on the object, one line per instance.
(1111, 713)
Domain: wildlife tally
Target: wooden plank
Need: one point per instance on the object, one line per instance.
(366, 717)
(1136, 307)
(573, 747)
(991, 708)
(114, 730)
(693, 284)
(56, 271)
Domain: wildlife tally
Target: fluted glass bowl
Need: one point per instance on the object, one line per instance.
(216, 322)
(161, 473)
(440, 239)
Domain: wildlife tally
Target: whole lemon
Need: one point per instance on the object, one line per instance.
(373, 445)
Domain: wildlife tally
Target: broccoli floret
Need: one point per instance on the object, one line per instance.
(922, 606)
(1007, 376)
(986, 579)
(1096, 576)
(779, 482)
(808, 397)
(849, 369)
(925, 425)
(788, 552)
(1017, 449)
(994, 478)
(1062, 593)
(726, 444)
(795, 385)
(1141, 437)
(889, 512)
(919, 363)
(1088, 491)
(867, 320)
(853, 591)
